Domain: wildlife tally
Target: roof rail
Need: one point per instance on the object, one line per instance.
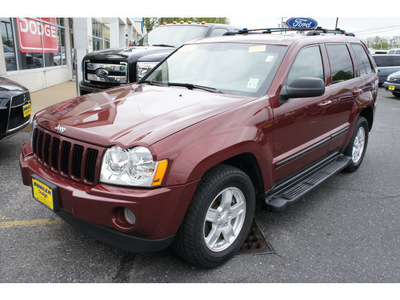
(313, 31)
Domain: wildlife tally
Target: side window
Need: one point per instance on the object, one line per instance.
(308, 63)
(340, 62)
(218, 32)
(363, 61)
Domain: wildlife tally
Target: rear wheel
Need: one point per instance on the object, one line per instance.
(358, 144)
(218, 219)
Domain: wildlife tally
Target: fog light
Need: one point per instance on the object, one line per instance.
(129, 216)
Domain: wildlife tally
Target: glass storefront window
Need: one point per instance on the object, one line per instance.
(101, 35)
(8, 44)
(31, 43)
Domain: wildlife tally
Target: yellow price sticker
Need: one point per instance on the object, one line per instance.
(43, 193)
(26, 109)
(259, 48)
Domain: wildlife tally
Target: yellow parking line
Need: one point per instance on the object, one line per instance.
(29, 223)
(394, 100)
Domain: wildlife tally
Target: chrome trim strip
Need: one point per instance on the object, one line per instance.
(109, 67)
(115, 67)
(311, 148)
(112, 78)
(20, 126)
(340, 132)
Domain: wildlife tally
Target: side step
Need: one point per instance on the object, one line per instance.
(297, 186)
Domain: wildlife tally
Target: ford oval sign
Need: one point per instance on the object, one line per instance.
(301, 23)
(102, 73)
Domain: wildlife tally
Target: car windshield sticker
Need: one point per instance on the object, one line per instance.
(252, 83)
(270, 58)
(188, 48)
(260, 48)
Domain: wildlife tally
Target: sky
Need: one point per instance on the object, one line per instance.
(363, 18)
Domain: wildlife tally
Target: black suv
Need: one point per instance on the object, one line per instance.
(109, 68)
(15, 107)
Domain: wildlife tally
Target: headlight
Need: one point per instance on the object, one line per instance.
(142, 68)
(132, 167)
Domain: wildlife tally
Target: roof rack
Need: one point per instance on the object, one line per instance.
(314, 31)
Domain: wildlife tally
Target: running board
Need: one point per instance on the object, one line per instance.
(297, 186)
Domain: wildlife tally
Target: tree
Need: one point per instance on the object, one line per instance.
(378, 42)
(151, 23)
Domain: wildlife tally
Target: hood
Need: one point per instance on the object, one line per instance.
(395, 75)
(134, 114)
(7, 85)
(131, 53)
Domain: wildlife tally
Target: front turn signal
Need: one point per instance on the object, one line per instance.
(160, 172)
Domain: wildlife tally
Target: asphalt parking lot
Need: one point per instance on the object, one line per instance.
(346, 230)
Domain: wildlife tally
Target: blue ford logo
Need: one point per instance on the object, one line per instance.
(102, 73)
(302, 23)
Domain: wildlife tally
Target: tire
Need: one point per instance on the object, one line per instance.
(218, 218)
(358, 144)
(396, 94)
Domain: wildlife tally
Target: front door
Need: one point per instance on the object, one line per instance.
(301, 125)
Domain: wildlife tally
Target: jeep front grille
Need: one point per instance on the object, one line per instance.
(73, 159)
(115, 73)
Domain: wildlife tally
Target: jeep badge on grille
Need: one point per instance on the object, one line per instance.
(60, 128)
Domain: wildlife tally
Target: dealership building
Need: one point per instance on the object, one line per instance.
(42, 52)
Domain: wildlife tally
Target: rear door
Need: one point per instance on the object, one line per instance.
(351, 79)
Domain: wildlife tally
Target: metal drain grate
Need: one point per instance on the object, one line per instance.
(256, 242)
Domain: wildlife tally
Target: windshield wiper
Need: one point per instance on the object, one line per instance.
(163, 45)
(191, 86)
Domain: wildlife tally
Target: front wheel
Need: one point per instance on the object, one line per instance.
(218, 219)
(396, 94)
(358, 144)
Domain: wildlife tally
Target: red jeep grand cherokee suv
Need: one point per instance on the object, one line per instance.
(181, 157)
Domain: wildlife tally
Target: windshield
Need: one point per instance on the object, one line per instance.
(173, 36)
(232, 68)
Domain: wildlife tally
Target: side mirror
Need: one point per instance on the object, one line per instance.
(303, 87)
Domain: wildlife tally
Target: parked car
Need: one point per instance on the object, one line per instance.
(387, 64)
(181, 157)
(392, 84)
(379, 51)
(112, 67)
(394, 51)
(15, 107)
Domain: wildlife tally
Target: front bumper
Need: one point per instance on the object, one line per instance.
(85, 88)
(390, 86)
(97, 209)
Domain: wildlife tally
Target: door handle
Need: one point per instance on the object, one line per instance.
(325, 104)
(356, 92)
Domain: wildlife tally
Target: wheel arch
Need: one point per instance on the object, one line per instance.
(368, 114)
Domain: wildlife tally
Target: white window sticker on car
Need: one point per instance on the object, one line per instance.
(270, 58)
(252, 83)
(258, 48)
